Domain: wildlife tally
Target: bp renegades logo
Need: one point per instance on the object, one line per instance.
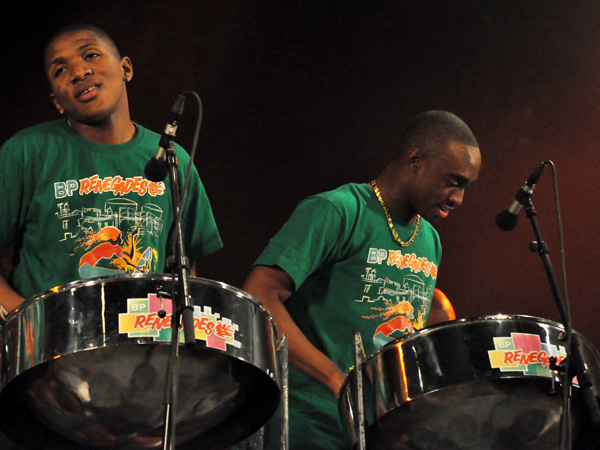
(525, 353)
(141, 320)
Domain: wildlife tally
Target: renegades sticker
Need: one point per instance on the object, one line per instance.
(524, 353)
(142, 320)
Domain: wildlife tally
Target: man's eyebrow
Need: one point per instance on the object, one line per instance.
(461, 178)
(88, 44)
(80, 48)
(55, 61)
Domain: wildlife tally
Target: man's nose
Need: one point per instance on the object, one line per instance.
(80, 71)
(457, 196)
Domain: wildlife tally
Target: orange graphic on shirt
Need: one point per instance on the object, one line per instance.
(403, 312)
(401, 308)
(399, 323)
(105, 234)
(116, 251)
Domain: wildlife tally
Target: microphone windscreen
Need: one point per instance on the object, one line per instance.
(506, 220)
(156, 170)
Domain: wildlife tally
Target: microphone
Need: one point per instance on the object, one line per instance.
(156, 169)
(507, 219)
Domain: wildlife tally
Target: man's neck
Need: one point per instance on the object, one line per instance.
(110, 132)
(395, 197)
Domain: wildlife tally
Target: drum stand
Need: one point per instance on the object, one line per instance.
(573, 348)
(356, 380)
(282, 353)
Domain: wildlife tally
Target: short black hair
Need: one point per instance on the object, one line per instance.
(431, 131)
(82, 27)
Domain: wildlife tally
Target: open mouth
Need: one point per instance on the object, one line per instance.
(444, 211)
(87, 94)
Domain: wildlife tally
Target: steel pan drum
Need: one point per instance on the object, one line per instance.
(84, 366)
(480, 383)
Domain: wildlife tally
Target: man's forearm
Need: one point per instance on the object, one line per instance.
(9, 298)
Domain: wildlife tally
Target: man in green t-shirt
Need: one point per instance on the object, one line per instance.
(75, 201)
(361, 257)
(74, 198)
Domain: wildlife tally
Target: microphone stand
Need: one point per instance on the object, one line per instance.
(574, 356)
(182, 306)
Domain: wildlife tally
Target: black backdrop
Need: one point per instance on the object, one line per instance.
(300, 97)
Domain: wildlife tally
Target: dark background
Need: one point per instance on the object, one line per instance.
(301, 97)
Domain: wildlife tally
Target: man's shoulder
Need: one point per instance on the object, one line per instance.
(151, 139)
(35, 137)
(39, 131)
(351, 192)
(346, 202)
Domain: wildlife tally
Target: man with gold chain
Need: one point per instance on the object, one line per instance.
(361, 257)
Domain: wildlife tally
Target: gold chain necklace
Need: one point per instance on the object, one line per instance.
(389, 219)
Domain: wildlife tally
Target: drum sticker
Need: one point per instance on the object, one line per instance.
(524, 353)
(142, 320)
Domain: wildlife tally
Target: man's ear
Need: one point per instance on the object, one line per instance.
(415, 159)
(127, 68)
(56, 104)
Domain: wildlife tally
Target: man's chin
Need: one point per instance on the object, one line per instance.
(430, 216)
(94, 119)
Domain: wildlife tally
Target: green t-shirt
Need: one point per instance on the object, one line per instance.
(76, 209)
(349, 274)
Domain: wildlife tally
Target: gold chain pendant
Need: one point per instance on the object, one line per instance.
(389, 219)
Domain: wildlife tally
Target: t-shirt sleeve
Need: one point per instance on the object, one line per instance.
(306, 240)
(11, 194)
(200, 228)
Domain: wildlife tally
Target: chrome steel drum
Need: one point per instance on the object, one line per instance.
(85, 366)
(481, 383)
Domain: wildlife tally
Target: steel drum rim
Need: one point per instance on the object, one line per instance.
(389, 408)
(259, 359)
(152, 276)
(166, 277)
(489, 318)
(417, 334)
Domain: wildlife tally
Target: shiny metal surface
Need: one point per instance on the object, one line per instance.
(480, 383)
(85, 367)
